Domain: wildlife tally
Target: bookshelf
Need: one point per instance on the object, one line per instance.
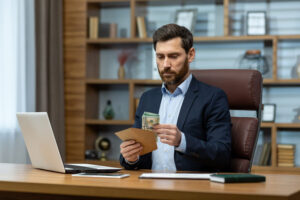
(87, 74)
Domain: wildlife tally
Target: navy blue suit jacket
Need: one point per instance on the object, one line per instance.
(204, 118)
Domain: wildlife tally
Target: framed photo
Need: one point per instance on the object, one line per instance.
(186, 18)
(256, 23)
(269, 112)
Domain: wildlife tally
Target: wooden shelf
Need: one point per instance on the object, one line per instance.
(280, 125)
(288, 125)
(267, 82)
(118, 40)
(233, 38)
(267, 125)
(108, 122)
(107, 1)
(106, 81)
(126, 81)
(283, 82)
(196, 39)
(271, 168)
(147, 82)
(288, 37)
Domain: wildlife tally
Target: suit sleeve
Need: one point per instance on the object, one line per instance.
(216, 149)
(144, 161)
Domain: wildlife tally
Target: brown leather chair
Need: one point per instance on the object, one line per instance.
(244, 92)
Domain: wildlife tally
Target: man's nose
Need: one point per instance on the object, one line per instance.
(167, 63)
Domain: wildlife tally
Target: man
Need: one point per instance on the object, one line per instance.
(194, 130)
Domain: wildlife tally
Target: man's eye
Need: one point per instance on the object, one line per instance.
(174, 56)
(159, 57)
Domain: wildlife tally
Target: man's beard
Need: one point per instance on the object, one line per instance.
(177, 77)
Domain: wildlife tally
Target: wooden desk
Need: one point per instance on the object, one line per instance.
(22, 181)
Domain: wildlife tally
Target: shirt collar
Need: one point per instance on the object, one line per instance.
(181, 89)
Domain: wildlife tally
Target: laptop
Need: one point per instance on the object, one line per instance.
(43, 150)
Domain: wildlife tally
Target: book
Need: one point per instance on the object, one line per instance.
(237, 178)
(93, 27)
(263, 154)
(286, 165)
(286, 156)
(141, 25)
(267, 157)
(286, 146)
(113, 30)
(104, 30)
(286, 152)
(257, 154)
(285, 161)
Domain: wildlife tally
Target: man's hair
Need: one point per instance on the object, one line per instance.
(170, 31)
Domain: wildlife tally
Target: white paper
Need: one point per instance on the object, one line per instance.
(176, 175)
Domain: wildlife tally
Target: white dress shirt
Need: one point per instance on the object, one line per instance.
(163, 157)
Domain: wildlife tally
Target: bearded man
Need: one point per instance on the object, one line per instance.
(195, 129)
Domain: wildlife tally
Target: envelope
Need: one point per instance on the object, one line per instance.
(146, 138)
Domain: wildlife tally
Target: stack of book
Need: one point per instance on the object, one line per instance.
(286, 155)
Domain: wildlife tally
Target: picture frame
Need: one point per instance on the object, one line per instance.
(269, 112)
(256, 23)
(186, 18)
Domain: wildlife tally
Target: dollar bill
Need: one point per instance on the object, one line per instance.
(149, 120)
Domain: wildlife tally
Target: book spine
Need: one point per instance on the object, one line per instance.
(244, 180)
(93, 27)
(141, 25)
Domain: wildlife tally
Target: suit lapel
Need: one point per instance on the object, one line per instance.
(189, 98)
(156, 100)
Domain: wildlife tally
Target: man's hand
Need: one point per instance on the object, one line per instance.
(168, 134)
(130, 150)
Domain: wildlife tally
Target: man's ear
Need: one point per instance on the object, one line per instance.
(191, 54)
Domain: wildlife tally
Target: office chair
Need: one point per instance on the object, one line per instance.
(244, 92)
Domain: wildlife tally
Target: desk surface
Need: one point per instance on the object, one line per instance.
(16, 178)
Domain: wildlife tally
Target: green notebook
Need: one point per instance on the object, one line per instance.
(237, 178)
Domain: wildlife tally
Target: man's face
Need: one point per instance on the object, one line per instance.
(172, 61)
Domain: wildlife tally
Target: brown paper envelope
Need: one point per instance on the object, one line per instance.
(146, 138)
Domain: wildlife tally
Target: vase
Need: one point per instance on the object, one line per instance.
(121, 72)
(253, 59)
(108, 112)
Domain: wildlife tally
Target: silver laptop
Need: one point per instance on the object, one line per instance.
(43, 150)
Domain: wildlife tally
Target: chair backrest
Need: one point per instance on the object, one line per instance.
(244, 92)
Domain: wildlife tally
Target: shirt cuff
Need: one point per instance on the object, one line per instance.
(182, 145)
(132, 163)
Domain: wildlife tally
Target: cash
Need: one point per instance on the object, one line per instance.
(149, 120)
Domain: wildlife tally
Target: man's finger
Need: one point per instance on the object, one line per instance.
(130, 147)
(133, 152)
(127, 143)
(167, 126)
(165, 141)
(165, 131)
